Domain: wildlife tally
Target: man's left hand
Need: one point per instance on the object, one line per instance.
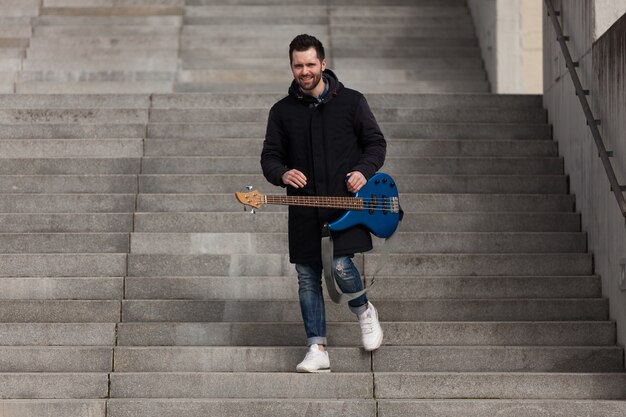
(355, 181)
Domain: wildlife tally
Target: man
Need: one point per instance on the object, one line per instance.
(322, 140)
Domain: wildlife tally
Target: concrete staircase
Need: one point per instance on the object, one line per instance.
(103, 46)
(15, 32)
(133, 284)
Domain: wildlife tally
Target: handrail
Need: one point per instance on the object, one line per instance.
(591, 121)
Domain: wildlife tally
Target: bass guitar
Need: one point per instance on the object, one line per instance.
(376, 205)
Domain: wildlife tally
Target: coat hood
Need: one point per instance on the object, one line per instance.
(333, 89)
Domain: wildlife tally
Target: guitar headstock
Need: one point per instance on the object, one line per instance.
(252, 198)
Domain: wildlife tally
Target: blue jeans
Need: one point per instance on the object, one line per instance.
(312, 298)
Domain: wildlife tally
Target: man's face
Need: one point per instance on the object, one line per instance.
(307, 70)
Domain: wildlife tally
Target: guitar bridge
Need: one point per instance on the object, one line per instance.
(395, 204)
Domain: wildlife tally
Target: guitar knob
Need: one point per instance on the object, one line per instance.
(384, 180)
(377, 182)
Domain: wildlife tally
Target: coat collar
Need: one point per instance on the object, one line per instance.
(335, 86)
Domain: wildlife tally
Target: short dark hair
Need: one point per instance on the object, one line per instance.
(303, 43)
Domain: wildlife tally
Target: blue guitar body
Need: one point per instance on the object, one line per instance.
(381, 211)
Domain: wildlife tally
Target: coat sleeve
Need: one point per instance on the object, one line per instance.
(371, 140)
(274, 153)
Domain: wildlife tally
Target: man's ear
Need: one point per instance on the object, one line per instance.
(323, 64)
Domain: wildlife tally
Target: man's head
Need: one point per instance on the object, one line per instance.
(303, 42)
(306, 55)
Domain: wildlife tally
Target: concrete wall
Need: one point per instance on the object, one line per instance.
(602, 70)
(509, 33)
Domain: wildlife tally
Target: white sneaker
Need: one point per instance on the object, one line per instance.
(371, 332)
(315, 361)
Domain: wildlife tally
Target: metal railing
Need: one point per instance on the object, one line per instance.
(604, 155)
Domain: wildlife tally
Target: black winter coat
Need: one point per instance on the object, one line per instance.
(325, 142)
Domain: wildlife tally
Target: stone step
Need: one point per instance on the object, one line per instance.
(91, 288)
(398, 264)
(430, 102)
(94, 26)
(251, 288)
(389, 310)
(397, 10)
(151, 41)
(99, 54)
(385, 359)
(403, 242)
(409, 52)
(20, 9)
(515, 333)
(72, 131)
(404, 165)
(51, 22)
(53, 385)
(32, 107)
(462, 20)
(54, 408)
(408, 41)
(271, 222)
(241, 385)
(64, 184)
(417, 202)
(10, 65)
(497, 359)
(59, 311)
(448, 86)
(62, 265)
(11, 53)
(134, 87)
(424, 30)
(391, 130)
(13, 42)
(69, 63)
(361, 408)
(67, 203)
(190, 60)
(504, 408)
(302, 20)
(113, 3)
(260, 114)
(255, 32)
(58, 334)
(438, 3)
(72, 116)
(189, 407)
(501, 385)
(138, 10)
(66, 222)
(69, 166)
(97, 76)
(71, 148)
(56, 359)
(64, 243)
(395, 148)
(484, 264)
(355, 385)
(7, 21)
(395, 77)
(439, 184)
(231, 359)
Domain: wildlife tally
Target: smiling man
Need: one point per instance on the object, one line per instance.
(323, 140)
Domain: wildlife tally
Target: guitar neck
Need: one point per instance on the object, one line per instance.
(346, 203)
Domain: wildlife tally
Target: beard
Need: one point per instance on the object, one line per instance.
(310, 84)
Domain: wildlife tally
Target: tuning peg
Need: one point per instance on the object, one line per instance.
(249, 187)
(252, 211)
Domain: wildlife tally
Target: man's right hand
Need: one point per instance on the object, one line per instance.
(294, 178)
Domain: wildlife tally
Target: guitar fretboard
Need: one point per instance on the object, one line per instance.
(347, 203)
